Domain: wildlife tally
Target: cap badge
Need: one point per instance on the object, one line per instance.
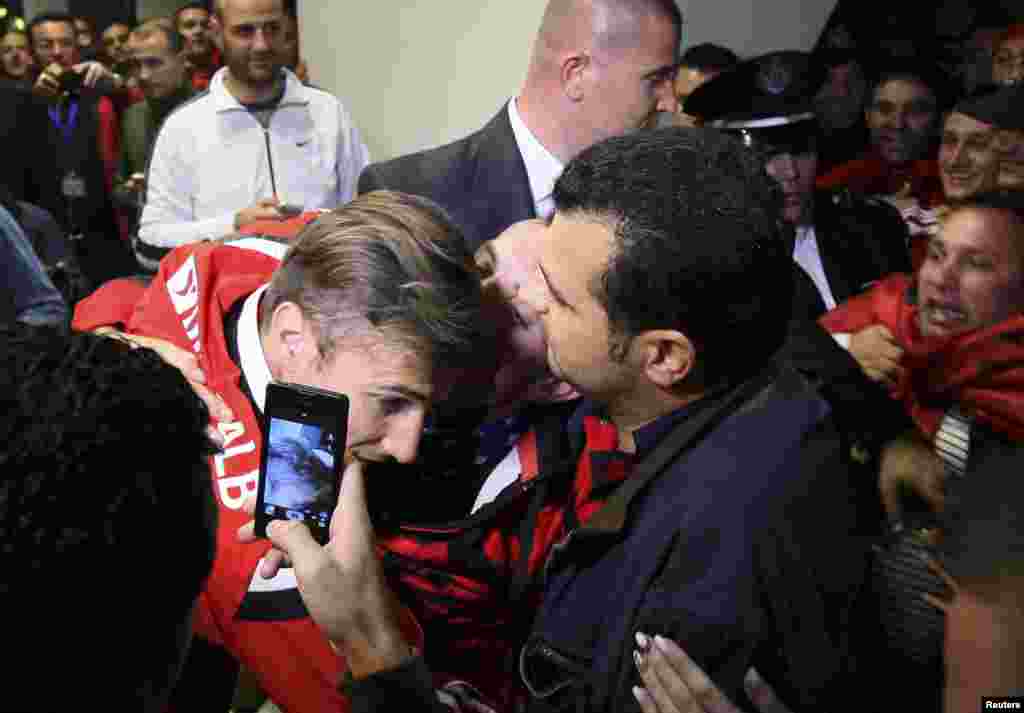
(775, 76)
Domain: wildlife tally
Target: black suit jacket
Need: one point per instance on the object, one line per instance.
(860, 240)
(480, 180)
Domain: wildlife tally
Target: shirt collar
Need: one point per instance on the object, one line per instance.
(646, 438)
(542, 167)
(250, 349)
(803, 232)
(294, 91)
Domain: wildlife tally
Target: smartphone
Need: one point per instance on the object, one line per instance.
(304, 432)
(289, 209)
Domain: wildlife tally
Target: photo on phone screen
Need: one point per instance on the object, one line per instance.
(302, 460)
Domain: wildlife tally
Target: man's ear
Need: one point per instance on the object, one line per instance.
(574, 69)
(668, 357)
(291, 335)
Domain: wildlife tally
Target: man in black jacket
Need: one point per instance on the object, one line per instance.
(711, 500)
(841, 241)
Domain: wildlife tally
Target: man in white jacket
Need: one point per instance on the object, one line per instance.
(257, 145)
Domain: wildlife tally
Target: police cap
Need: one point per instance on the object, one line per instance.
(767, 100)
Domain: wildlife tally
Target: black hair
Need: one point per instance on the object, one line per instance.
(1001, 199)
(191, 6)
(87, 21)
(175, 40)
(926, 75)
(110, 24)
(698, 243)
(709, 57)
(64, 17)
(106, 514)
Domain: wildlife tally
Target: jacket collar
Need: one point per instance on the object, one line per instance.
(499, 181)
(295, 92)
(714, 408)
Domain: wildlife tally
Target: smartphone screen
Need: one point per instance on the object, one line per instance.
(303, 457)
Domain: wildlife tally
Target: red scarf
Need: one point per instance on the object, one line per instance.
(982, 371)
(872, 175)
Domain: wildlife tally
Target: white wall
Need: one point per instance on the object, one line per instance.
(419, 74)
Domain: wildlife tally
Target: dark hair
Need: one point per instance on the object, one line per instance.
(110, 24)
(162, 25)
(392, 261)
(697, 227)
(927, 76)
(190, 6)
(106, 510)
(1003, 200)
(64, 17)
(709, 57)
(87, 21)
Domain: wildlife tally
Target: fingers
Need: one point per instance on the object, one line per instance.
(47, 85)
(90, 71)
(891, 499)
(218, 408)
(647, 704)
(351, 519)
(272, 563)
(294, 541)
(674, 682)
(247, 533)
(933, 490)
(761, 694)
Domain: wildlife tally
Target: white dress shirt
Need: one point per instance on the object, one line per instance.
(807, 256)
(542, 167)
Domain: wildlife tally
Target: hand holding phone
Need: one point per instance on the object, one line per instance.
(304, 432)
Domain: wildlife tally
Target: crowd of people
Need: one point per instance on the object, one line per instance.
(689, 382)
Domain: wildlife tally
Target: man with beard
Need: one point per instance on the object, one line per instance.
(256, 141)
(201, 57)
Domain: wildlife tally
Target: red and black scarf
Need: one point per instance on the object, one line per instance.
(982, 371)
